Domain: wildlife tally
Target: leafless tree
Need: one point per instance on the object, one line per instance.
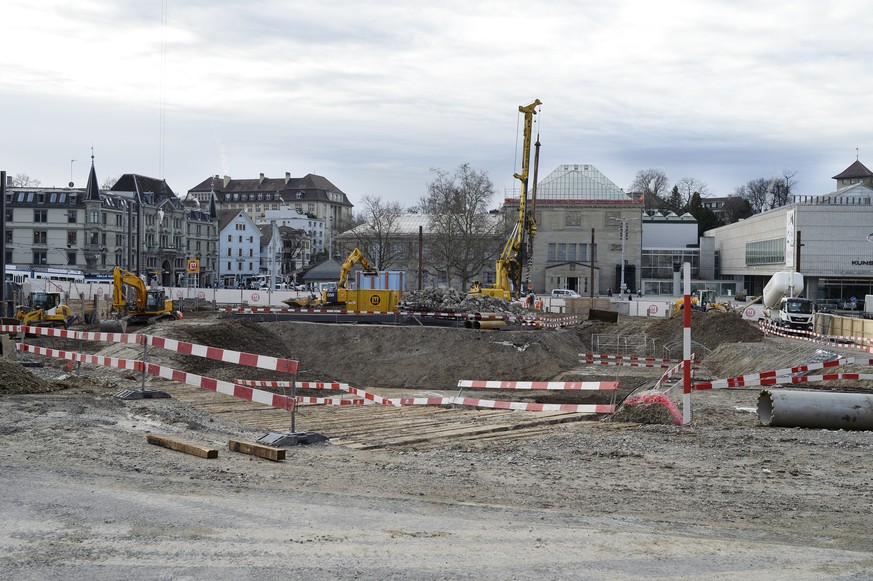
(736, 208)
(654, 186)
(687, 187)
(462, 233)
(22, 180)
(109, 182)
(378, 234)
(766, 194)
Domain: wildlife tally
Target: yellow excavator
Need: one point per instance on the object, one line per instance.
(519, 246)
(381, 300)
(149, 305)
(45, 309)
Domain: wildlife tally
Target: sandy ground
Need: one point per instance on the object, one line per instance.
(87, 497)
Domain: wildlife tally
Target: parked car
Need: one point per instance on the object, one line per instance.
(563, 293)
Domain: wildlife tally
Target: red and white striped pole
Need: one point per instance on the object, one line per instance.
(686, 347)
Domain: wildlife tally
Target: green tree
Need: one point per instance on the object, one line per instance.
(706, 218)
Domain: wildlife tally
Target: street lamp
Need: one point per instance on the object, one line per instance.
(623, 231)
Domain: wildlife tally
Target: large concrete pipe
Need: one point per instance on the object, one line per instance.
(488, 324)
(816, 409)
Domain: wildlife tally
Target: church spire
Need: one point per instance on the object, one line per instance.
(92, 190)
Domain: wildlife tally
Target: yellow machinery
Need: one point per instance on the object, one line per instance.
(45, 309)
(149, 305)
(380, 300)
(519, 245)
(702, 300)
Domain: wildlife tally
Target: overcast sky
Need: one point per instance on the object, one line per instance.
(372, 95)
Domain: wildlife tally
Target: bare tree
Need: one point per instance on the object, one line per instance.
(687, 187)
(766, 194)
(377, 237)
(109, 182)
(654, 186)
(736, 208)
(22, 180)
(462, 232)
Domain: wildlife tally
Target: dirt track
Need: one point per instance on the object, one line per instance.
(723, 498)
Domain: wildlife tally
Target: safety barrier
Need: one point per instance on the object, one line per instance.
(787, 375)
(462, 401)
(859, 343)
(245, 389)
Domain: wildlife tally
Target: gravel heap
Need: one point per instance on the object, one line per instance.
(17, 379)
(455, 301)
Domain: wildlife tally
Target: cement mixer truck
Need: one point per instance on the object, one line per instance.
(783, 305)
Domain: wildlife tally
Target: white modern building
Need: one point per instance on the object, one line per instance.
(827, 238)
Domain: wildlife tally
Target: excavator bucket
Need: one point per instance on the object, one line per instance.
(113, 326)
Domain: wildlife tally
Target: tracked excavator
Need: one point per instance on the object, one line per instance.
(149, 305)
(703, 300)
(518, 248)
(380, 300)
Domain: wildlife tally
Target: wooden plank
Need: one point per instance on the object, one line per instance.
(259, 450)
(180, 446)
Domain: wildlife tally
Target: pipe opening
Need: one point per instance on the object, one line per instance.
(765, 407)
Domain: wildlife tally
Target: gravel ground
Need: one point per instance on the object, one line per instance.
(725, 498)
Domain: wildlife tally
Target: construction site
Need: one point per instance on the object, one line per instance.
(429, 491)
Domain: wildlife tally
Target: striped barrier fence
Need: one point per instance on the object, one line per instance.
(539, 385)
(779, 376)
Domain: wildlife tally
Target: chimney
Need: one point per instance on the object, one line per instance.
(226, 180)
(261, 179)
(287, 177)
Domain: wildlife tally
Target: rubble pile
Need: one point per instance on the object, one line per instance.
(455, 301)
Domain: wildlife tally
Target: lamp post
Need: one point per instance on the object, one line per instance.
(623, 229)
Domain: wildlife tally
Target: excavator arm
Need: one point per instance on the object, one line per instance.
(355, 257)
(122, 278)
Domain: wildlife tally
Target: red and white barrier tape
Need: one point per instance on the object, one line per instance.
(226, 355)
(770, 328)
(767, 377)
(628, 364)
(539, 385)
(216, 385)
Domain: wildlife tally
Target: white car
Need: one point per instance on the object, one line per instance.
(563, 293)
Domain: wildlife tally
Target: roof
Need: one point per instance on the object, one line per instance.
(856, 170)
(225, 217)
(311, 187)
(408, 224)
(329, 270)
(579, 182)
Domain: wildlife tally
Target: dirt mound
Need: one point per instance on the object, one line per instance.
(15, 379)
(385, 356)
(709, 329)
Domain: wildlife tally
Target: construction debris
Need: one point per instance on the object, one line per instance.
(455, 301)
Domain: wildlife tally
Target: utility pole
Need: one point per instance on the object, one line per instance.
(623, 220)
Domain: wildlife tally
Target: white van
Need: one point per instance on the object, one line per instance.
(563, 293)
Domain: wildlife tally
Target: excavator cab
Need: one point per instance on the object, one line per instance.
(44, 300)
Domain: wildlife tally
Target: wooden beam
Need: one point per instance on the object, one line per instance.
(259, 450)
(180, 446)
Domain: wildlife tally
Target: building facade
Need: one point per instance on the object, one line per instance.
(589, 233)
(139, 224)
(827, 238)
(312, 195)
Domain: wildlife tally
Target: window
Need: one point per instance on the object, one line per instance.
(8, 215)
(40, 237)
(71, 237)
(71, 216)
(9, 237)
(71, 257)
(40, 216)
(93, 217)
(765, 252)
(39, 257)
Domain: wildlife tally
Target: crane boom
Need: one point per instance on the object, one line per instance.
(510, 264)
